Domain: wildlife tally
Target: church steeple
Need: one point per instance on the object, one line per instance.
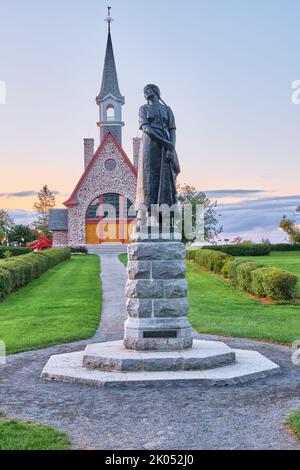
(110, 100)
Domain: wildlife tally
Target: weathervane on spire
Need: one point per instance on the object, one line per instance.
(109, 19)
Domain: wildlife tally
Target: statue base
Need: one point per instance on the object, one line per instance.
(157, 303)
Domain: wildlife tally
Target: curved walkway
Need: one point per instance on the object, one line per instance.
(239, 417)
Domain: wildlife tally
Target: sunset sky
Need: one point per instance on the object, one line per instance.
(225, 67)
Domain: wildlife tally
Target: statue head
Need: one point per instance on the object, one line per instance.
(150, 90)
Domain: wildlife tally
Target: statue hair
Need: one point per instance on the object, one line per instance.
(156, 90)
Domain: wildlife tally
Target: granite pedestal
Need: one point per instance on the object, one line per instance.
(157, 303)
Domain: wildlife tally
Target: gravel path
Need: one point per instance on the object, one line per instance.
(250, 416)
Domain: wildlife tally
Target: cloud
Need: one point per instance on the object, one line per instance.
(259, 217)
(21, 194)
(22, 216)
(237, 193)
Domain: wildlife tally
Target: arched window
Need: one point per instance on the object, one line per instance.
(110, 112)
(93, 209)
(111, 205)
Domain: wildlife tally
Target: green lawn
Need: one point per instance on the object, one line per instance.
(217, 307)
(286, 260)
(16, 435)
(62, 305)
(294, 422)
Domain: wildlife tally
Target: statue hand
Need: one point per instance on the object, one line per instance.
(169, 155)
(169, 146)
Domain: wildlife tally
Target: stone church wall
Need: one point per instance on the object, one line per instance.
(101, 179)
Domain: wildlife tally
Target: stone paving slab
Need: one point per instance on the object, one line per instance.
(249, 365)
(113, 356)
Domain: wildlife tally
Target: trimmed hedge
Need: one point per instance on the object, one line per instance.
(209, 259)
(5, 283)
(15, 250)
(56, 255)
(285, 247)
(243, 250)
(243, 279)
(273, 283)
(230, 269)
(17, 272)
(262, 281)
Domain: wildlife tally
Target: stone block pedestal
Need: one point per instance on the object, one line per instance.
(157, 303)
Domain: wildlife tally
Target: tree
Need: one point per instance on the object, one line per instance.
(6, 221)
(189, 195)
(289, 227)
(2, 234)
(22, 234)
(46, 201)
(241, 241)
(265, 241)
(237, 240)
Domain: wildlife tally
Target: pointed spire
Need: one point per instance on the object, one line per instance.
(110, 83)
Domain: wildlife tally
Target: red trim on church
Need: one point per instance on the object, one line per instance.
(72, 201)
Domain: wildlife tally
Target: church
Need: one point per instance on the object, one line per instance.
(109, 178)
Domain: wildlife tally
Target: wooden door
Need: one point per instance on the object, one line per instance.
(91, 234)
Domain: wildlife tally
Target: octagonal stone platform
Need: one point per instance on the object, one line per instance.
(114, 357)
(243, 366)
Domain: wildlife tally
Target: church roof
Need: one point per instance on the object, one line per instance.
(72, 201)
(110, 84)
(58, 219)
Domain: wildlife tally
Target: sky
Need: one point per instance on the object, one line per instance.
(225, 67)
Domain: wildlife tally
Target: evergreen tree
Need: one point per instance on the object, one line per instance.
(46, 201)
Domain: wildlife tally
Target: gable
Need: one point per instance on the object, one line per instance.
(109, 170)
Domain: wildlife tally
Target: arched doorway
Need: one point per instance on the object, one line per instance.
(109, 219)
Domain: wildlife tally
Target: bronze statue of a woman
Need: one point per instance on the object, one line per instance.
(158, 162)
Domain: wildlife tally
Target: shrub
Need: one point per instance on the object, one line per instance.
(17, 271)
(273, 283)
(15, 250)
(56, 255)
(243, 278)
(243, 250)
(209, 260)
(285, 247)
(230, 269)
(6, 283)
(190, 254)
(79, 250)
(38, 264)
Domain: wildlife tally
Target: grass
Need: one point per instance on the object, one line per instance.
(294, 423)
(123, 258)
(61, 306)
(289, 260)
(219, 308)
(16, 435)
(216, 307)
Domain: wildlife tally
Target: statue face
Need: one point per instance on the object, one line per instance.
(149, 93)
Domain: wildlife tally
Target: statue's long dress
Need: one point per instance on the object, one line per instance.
(156, 177)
